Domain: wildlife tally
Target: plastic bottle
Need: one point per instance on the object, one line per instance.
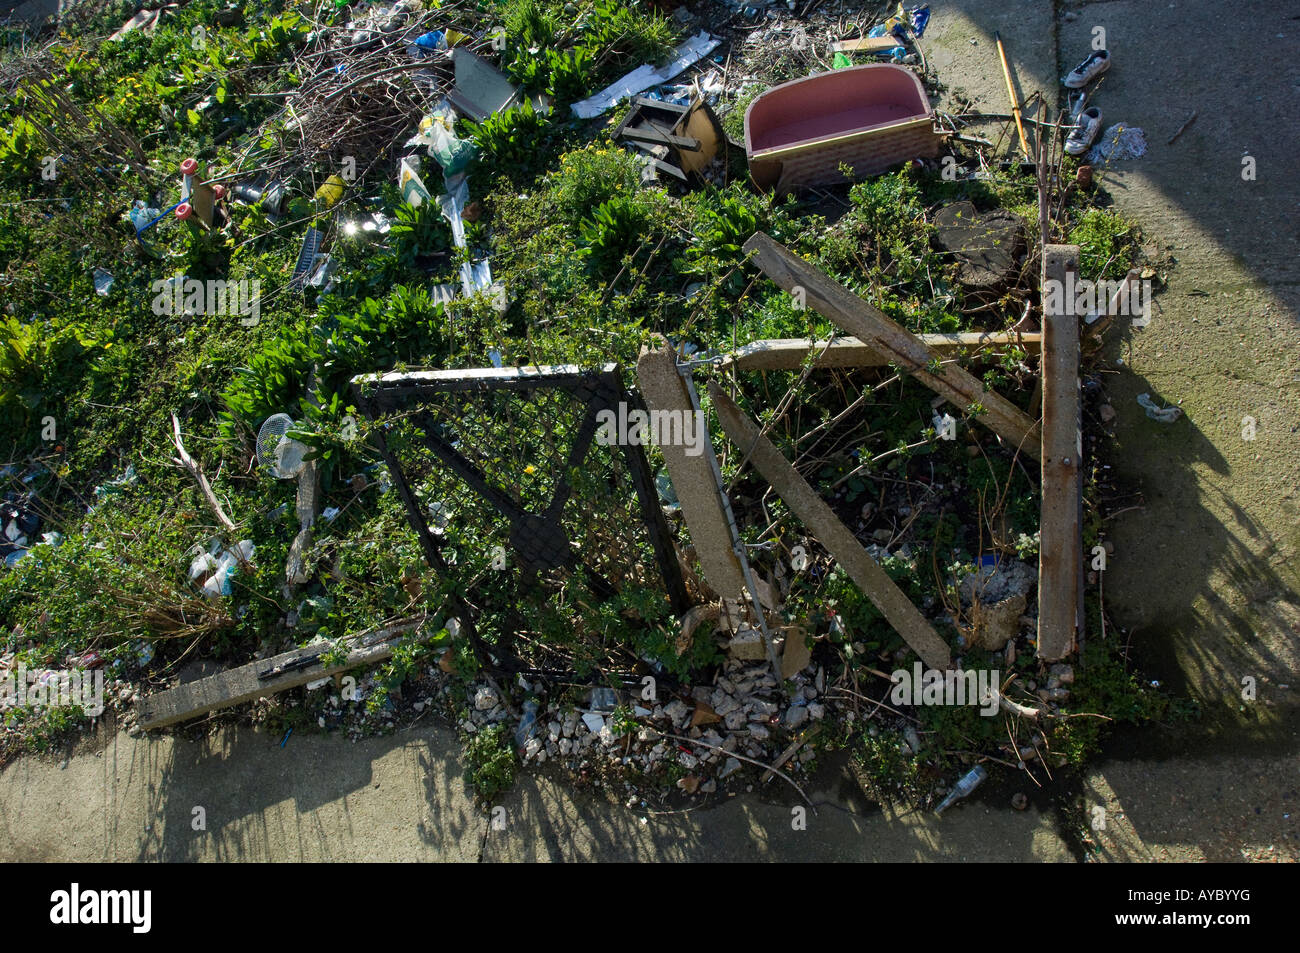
(527, 723)
(969, 782)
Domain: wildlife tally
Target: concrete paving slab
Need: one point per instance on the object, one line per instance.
(959, 47)
(1205, 573)
(403, 798)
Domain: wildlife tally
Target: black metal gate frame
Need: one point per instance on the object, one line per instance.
(538, 538)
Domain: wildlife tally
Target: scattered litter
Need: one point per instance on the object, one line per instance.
(197, 197)
(142, 216)
(269, 192)
(475, 277)
(414, 192)
(481, 89)
(1117, 143)
(436, 134)
(280, 454)
(680, 140)
(145, 21)
(331, 191)
(426, 45)
(1166, 415)
(18, 523)
(330, 513)
(116, 485)
(604, 699)
(213, 569)
(322, 270)
(963, 788)
(919, 18)
(643, 77)
(307, 255)
(103, 282)
(866, 44)
(527, 724)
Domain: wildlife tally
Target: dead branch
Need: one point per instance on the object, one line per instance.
(183, 459)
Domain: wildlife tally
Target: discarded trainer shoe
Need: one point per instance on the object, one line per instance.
(1088, 70)
(1089, 124)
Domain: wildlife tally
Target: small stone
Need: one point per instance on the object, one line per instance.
(485, 699)
(796, 716)
(747, 644)
(730, 767)
(1019, 801)
(1106, 412)
(759, 732)
(816, 711)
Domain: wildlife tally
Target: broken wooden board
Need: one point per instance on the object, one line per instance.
(244, 684)
(831, 532)
(1060, 558)
(692, 474)
(789, 354)
(832, 300)
(867, 44)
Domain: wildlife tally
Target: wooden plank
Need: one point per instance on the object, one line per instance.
(788, 354)
(822, 522)
(243, 684)
(867, 44)
(692, 473)
(869, 325)
(1060, 559)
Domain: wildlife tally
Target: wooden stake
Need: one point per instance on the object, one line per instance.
(1015, 103)
(1060, 559)
(822, 522)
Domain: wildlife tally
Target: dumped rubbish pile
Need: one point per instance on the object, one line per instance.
(700, 555)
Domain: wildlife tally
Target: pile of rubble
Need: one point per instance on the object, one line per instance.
(702, 730)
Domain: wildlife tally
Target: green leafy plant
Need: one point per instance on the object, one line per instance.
(510, 143)
(490, 761)
(614, 229)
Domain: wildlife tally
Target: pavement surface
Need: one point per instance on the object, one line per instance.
(1204, 581)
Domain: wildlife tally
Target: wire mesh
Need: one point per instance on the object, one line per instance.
(527, 502)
